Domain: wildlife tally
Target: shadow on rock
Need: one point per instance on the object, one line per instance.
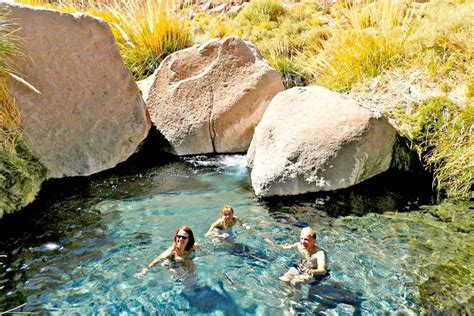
(391, 191)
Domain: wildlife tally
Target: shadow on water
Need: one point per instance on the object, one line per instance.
(331, 294)
(405, 186)
(253, 256)
(61, 203)
(205, 299)
(393, 190)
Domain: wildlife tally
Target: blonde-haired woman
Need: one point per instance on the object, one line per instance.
(222, 227)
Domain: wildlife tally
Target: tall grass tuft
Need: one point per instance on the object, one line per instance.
(21, 174)
(442, 132)
(146, 30)
(279, 53)
(10, 123)
(150, 31)
(373, 40)
(263, 10)
(445, 39)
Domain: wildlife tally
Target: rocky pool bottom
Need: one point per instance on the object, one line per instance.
(76, 249)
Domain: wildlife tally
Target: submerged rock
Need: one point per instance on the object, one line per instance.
(209, 98)
(87, 114)
(312, 139)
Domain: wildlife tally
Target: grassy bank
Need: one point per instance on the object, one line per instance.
(21, 174)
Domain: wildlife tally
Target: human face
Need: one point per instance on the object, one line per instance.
(227, 214)
(182, 238)
(306, 240)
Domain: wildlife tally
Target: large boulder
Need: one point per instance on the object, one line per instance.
(312, 139)
(87, 114)
(209, 98)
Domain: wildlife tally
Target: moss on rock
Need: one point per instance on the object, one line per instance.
(448, 289)
(21, 176)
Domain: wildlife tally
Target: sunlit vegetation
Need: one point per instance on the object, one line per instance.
(441, 132)
(20, 173)
(146, 30)
(370, 38)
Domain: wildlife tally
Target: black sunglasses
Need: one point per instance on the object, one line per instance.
(181, 237)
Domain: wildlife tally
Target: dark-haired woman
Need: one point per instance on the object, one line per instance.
(181, 250)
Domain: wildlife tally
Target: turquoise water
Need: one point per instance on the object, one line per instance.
(85, 259)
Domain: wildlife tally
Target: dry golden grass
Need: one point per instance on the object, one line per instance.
(10, 123)
(372, 40)
(146, 30)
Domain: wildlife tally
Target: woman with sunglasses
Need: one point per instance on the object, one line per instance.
(181, 250)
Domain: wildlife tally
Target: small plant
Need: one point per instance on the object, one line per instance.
(470, 85)
(279, 54)
(262, 10)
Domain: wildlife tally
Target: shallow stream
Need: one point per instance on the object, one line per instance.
(80, 257)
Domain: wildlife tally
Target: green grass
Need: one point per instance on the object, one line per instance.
(441, 132)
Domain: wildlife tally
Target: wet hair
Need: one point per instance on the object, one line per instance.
(190, 243)
(310, 229)
(227, 207)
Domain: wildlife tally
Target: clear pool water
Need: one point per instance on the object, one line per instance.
(85, 259)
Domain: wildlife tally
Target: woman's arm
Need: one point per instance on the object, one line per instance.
(166, 254)
(214, 225)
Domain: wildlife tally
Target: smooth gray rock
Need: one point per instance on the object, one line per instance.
(89, 114)
(311, 139)
(209, 98)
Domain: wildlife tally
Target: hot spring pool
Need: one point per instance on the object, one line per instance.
(84, 257)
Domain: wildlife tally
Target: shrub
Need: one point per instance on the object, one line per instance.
(262, 10)
(150, 31)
